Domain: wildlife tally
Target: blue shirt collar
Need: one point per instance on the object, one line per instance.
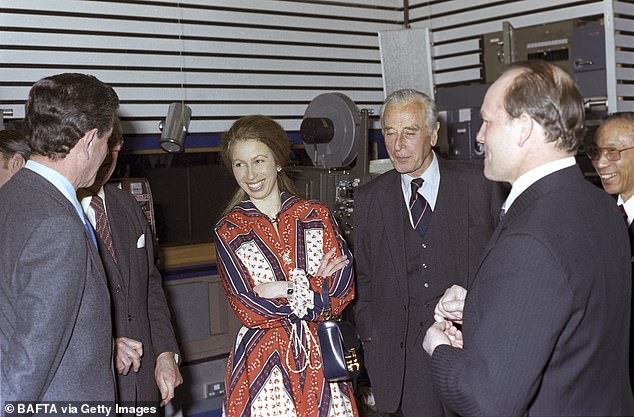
(60, 182)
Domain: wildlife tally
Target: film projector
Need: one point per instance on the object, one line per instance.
(335, 136)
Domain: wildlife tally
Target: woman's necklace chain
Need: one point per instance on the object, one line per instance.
(279, 240)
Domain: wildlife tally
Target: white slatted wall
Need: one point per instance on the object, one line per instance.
(228, 58)
(224, 58)
(620, 57)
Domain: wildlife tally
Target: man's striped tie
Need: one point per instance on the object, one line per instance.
(420, 209)
(102, 226)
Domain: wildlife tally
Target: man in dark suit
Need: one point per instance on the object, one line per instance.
(146, 351)
(613, 159)
(55, 326)
(402, 271)
(545, 320)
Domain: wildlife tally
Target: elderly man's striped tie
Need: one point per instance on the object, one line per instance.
(420, 209)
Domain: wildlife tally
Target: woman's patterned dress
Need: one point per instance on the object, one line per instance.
(275, 366)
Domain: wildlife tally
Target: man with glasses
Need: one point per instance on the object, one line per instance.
(612, 156)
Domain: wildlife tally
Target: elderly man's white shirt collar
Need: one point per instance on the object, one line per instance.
(535, 174)
(429, 190)
(628, 206)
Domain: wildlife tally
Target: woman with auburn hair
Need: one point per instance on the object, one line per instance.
(274, 251)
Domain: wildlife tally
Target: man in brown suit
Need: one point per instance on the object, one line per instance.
(146, 352)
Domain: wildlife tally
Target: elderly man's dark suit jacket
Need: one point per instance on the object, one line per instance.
(630, 231)
(546, 316)
(55, 328)
(396, 297)
(140, 310)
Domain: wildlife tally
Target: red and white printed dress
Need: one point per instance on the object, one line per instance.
(275, 366)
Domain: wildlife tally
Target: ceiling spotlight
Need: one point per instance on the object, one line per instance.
(174, 128)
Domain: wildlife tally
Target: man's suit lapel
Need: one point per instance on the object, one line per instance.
(630, 232)
(45, 186)
(453, 202)
(96, 258)
(95, 255)
(531, 194)
(395, 232)
(119, 231)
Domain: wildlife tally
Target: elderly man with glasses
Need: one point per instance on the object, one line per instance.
(613, 159)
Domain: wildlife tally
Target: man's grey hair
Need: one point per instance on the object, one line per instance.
(409, 95)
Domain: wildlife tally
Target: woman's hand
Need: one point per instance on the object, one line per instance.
(275, 289)
(329, 266)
